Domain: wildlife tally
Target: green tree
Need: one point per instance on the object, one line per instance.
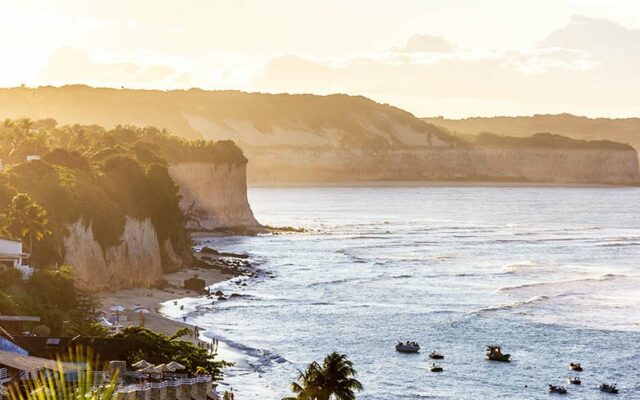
(24, 218)
(158, 348)
(333, 380)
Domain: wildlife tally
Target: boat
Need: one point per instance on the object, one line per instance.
(408, 347)
(575, 380)
(609, 388)
(557, 389)
(494, 353)
(575, 367)
(436, 368)
(436, 356)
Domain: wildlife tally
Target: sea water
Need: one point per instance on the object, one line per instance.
(551, 274)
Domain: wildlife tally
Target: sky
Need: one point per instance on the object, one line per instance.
(455, 58)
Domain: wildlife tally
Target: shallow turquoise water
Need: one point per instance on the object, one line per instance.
(552, 274)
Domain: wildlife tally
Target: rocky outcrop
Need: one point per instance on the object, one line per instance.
(468, 163)
(214, 196)
(134, 262)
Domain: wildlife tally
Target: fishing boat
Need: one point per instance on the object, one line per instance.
(575, 380)
(436, 368)
(408, 347)
(436, 356)
(557, 389)
(609, 388)
(494, 353)
(575, 367)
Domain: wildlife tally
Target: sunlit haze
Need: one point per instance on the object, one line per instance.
(452, 58)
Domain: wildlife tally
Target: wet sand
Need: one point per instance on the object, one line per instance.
(152, 298)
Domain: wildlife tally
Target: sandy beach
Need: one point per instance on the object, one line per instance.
(152, 298)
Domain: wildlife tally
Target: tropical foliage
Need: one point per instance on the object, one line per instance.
(97, 176)
(24, 218)
(53, 386)
(334, 379)
(158, 348)
(52, 296)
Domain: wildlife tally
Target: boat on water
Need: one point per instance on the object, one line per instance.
(575, 367)
(557, 389)
(436, 368)
(494, 353)
(575, 380)
(436, 356)
(609, 388)
(408, 347)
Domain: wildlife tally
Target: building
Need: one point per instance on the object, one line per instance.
(11, 255)
(20, 368)
(11, 252)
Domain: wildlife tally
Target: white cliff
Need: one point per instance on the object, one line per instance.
(214, 196)
(479, 163)
(134, 262)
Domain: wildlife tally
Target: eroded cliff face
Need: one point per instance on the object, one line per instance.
(135, 262)
(214, 196)
(480, 163)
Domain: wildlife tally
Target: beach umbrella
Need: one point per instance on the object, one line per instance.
(117, 307)
(149, 370)
(142, 311)
(142, 364)
(164, 368)
(104, 322)
(176, 366)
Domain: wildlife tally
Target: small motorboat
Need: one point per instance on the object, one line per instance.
(436, 356)
(436, 368)
(494, 353)
(575, 380)
(609, 388)
(557, 389)
(408, 347)
(575, 367)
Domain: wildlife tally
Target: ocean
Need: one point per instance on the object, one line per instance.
(551, 274)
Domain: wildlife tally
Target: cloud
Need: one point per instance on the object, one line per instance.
(426, 44)
(69, 65)
(537, 74)
(609, 43)
(588, 64)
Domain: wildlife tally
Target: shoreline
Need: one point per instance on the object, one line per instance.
(154, 298)
(431, 183)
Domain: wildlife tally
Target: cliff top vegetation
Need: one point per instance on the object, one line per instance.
(97, 176)
(624, 130)
(547, 140)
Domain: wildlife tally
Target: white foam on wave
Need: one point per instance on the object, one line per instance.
(560, 285)
(607, 301)
(511, 306)
(519, 267)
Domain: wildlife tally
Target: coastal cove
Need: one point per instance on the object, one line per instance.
(455, 268)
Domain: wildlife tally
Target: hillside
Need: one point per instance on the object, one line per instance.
(625, 130)
(318, 139)
(114, 203)
(261, 119)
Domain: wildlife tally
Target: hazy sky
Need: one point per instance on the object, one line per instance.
(448, 57)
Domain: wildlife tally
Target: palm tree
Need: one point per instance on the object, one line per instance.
(25, 218)
(333, 380)
(80, 364)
